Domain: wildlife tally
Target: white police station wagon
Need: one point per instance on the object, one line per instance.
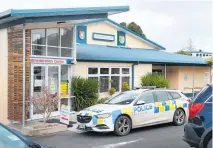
(133, 109)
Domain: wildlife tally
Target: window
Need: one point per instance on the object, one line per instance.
(158, 71)
(115, 82)
(56, 42)
(110, 77)
(104, 83)
(147, 97)
(125, 70)
(197, 55)
(162, 96)
(175, 95)
(104, 71)
(93, 70)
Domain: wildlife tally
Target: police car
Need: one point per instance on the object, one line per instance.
(133, 109)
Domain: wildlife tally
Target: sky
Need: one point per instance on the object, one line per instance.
(170, 23)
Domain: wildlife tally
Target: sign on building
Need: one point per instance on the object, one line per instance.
(103, 37)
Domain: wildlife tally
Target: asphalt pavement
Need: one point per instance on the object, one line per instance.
(160, 136)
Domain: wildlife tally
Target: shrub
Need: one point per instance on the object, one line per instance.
(112, 91)
(154, 79)
(102, 100)
(125, 86)
(85, 92)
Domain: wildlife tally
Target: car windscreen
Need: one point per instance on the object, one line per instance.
(10, 140)
(124, 98)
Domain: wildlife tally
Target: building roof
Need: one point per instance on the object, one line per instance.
(125, 30)
(199, 51)
(88, 52)
(17, 14)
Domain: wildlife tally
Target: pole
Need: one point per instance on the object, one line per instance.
(74, 45)
(193, 81)
(24, 73)
(165, 71)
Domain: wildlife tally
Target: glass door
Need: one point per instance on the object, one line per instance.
(44, 76)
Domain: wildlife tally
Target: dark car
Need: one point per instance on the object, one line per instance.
(198, 130)
(10, 138)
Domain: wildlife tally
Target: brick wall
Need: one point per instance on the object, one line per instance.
(15, 73)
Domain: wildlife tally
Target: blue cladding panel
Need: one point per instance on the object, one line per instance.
(115, 114)
(121, 38)
(81, 34)
(104, 53)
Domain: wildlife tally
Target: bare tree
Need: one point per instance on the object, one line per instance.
(45, 102)
(190, 45)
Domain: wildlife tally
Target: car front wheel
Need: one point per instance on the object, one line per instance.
(179, 117)
(123, 126)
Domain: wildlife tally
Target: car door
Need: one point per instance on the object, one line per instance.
(164, 106)
(143, 114)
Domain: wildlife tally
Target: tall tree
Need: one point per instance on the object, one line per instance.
(133, 27)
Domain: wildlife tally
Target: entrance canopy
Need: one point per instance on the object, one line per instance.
(87, 52)
(15, 17)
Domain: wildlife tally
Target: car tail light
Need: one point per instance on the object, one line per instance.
(195, 109)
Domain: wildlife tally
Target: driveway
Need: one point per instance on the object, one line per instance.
(160, 136)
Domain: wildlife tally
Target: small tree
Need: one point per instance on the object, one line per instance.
(112, 91)
(154, 79)
(45, 102)
(183, 52)
(125, 87)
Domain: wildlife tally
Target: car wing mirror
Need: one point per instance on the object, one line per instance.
(140, 102)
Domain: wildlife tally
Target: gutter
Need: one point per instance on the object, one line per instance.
(133, 73)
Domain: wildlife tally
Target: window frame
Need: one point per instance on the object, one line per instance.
(46, 44)
(110, 75)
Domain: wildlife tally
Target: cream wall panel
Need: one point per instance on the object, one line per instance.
(101, 27)
(133, 42)
(141, 70)
(3, 75)
(172, 75)
(105, 28)
(198, 77)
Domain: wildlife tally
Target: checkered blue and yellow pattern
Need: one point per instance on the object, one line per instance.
(169, 105)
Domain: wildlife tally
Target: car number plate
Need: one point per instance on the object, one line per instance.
(82, 126)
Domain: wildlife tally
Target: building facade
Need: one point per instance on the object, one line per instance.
(200, 53)
(47, 47)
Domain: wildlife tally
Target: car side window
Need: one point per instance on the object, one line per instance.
(147, 97)
(162, 96)
(175, 95)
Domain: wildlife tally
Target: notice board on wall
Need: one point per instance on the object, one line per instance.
(64, 88)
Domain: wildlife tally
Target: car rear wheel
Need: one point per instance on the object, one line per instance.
(123, 126)
(179, 117)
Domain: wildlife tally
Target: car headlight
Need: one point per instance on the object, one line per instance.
(102, 116)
